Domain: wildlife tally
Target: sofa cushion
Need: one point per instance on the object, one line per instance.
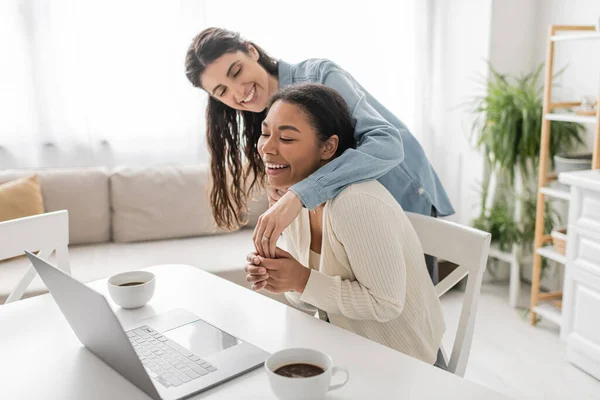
(256, 206)
(81, 191)
(20, 198)
(161, 203)
(223, 255)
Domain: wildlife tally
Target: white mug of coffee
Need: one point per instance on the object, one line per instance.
(132, 289)
(300, 374)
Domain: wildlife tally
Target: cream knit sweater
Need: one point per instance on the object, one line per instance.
(372, 278)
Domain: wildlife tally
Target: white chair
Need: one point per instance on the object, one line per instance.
(47, 233)
(468, 248)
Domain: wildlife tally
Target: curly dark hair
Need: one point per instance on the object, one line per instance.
(326, 110)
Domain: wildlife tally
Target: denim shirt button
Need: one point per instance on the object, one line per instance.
(421, 190)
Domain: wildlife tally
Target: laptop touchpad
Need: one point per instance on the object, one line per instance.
(189, 331)
(201, 338)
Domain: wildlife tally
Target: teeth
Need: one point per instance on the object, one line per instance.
(250, 95)
(276, 166)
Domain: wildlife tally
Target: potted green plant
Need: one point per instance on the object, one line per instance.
(509, 122)
(507, 129)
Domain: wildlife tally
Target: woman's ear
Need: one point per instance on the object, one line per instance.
(253, 52)
(329, 148)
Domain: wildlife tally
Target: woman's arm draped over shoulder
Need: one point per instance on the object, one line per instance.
(379, 148)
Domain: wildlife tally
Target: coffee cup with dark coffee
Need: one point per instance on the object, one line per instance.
(299, 374)
(132, 289)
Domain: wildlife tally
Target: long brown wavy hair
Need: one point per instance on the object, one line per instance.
(232, 135)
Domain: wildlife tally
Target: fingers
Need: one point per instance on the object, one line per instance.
(251, 269)
(253, 258)
(269, 236)
(257, 287)
(261, 243)
(256, 275)
(273, 241)
(256, 232)
(280, 253)
(271, 288)
(257, 278)
(263, 235)
(259, 232)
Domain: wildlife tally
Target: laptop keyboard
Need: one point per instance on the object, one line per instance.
(167, 362)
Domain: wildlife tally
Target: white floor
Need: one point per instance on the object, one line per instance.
(514, 358)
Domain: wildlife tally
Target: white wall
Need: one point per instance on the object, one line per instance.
(513, 36)
(582, 76)
(464, 41)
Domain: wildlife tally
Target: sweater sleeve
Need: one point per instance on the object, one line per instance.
(290, 247)
(371, 234)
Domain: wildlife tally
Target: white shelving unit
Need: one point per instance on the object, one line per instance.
(551, 254)
(571, 117)
(548, 311)
(576, 36)
(556, 193)
(548, 304)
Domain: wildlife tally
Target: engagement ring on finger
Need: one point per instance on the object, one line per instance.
(265, 239)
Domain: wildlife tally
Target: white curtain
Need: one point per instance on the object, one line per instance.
(101, 82)
(97, 82)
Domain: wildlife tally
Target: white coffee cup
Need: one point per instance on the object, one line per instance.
(133, 296)
(314, 387)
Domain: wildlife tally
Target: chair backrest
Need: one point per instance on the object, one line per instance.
(46, 233)
(468, 248)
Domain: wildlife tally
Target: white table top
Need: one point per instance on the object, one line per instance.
(41, 358)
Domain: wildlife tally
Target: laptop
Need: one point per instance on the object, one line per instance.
(169, 356)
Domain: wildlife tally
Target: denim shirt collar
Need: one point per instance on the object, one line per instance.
(284, 74)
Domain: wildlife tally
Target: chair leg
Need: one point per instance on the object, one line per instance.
(62, 259)
(20, 287)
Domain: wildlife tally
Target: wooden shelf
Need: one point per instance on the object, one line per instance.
(551, 254)
(576, 36)
(571, 117)
(557, 193)
(551, 295)
(556, 111)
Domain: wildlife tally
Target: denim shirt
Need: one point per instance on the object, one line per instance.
(386, 150)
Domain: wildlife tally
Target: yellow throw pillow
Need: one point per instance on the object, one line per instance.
(21, 198)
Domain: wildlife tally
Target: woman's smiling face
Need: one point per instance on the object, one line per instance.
(290, 146)
(239, 81)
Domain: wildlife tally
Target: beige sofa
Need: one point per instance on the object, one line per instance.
(131, 218)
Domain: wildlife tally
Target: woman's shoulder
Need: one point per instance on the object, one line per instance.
(315, 69)
(371, 194)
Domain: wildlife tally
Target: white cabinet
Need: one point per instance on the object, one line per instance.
(580, 326)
